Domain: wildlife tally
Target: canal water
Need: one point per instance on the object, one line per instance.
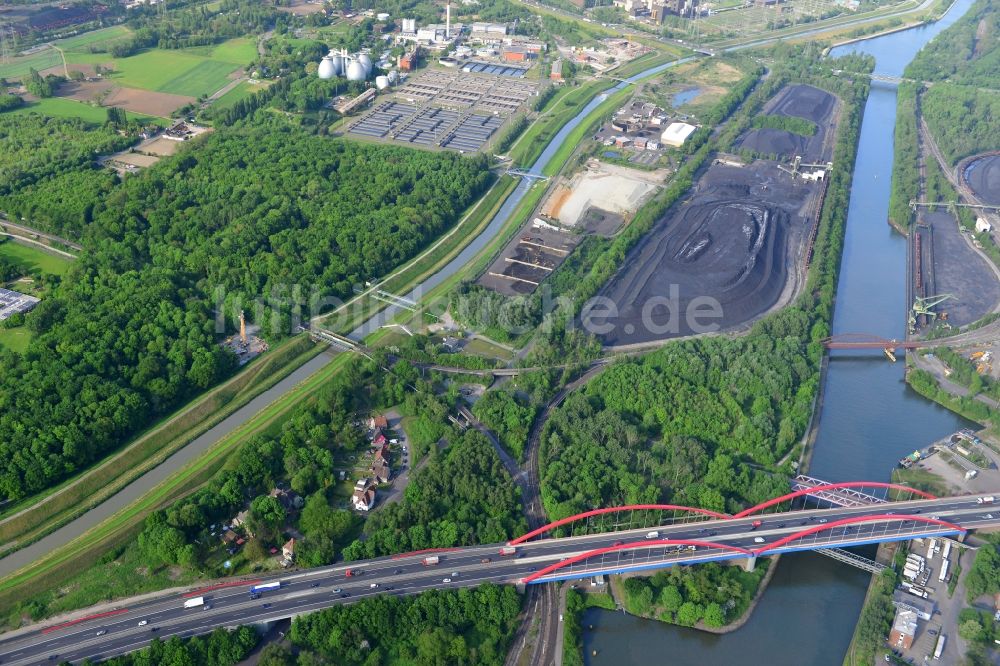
(869, 419)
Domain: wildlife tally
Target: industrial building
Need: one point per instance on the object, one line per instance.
(904, 628)
(676, 134)
(12, 303)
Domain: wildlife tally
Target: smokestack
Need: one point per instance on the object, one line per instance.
(243, 328)
(447, 20)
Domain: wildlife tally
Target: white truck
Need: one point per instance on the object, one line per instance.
(988, 499)
(194, 602)
(947, 550)
(652, 535)
(508, 550)
(432, 560)
(944, 571)
(939, 649)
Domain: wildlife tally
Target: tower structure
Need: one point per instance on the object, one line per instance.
(243, 328)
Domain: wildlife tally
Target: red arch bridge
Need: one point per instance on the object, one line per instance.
(814, 516)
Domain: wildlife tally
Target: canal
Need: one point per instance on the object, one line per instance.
(869, 419)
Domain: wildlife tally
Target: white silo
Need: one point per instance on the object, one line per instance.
(366, 62)
(356, 71)
(327, 69)
(381, 82)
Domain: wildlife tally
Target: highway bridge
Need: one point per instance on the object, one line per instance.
(602, 541)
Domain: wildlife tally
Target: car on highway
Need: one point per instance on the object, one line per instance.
(758, 539)
(314, 585)
(265, 605)
(373, 586)
(344, 595)
(397, 571)
(485, 560)
(143, 623)
(446, 580)
(822, 520)
(102, 632)
(337, 591)
(935, 517)
(154, 628)
(388, 588)
(618, 543)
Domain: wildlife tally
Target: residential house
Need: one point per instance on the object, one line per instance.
(364, 499)
(378, 422)
(381, 471)
(288, 553)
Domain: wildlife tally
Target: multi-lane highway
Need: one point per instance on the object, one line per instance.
(128, 626)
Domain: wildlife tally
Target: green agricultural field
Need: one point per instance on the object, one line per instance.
(77, 43)
(19, 67)
(61, 107)
(29, 258)
(203, 79)
(239, 51)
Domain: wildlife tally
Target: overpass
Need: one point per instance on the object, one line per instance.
(601, 541)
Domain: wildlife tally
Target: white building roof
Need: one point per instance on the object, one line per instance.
(677, 133)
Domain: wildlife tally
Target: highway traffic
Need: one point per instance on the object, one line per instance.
(124, 626)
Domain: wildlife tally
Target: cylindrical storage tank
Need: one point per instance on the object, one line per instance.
(393, 77)
(381, 82)
(327, 70)
(366, 62)
(356, 72)
(339, 65)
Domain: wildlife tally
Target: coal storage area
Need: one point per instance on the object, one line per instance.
(798, 101)
(982, 176)
(732, 241)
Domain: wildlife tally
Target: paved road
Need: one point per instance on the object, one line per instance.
(314, 589)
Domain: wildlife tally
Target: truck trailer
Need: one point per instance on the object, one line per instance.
(195, 602)
(432, 560)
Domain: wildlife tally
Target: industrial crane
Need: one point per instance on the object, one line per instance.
(922, 307)
(797, 164)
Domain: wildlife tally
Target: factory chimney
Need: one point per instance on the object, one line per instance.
(243, 328)
(447, 20)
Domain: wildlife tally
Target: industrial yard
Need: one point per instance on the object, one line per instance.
(601, 197)
(800, 101)
(740, 238)
(456, 110)
(529, 258)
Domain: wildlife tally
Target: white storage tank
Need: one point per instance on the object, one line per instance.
(381, 82)
(327, 69)
(356, 72)
(366, 62)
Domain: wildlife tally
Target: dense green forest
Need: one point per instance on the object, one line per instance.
(264, 210)
(963, 120)
(674, 425)
(509, 416)
(711, 593)
(967, 53)
(464, 497)
(906, 162)
(792, 124)
(459, 627)
(37, 147)
(963, 63)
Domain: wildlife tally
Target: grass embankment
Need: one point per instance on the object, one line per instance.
(427, 263)
(30, 259)
(36, 516)
(921, 479)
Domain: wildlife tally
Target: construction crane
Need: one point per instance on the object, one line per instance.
(922, 306)
(797, 165)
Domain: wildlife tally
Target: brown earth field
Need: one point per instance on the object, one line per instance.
(131, 99)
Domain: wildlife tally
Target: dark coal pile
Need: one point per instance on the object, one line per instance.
(983, 178)
(800, 101)
(733, 241)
